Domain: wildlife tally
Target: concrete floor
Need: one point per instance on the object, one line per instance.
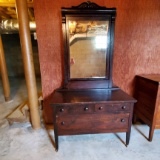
(20, 142)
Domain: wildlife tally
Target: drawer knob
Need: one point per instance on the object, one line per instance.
(62, 123)
(123, 107)
(100, 108)
(61, 110)
(86, 108)
(122, 120)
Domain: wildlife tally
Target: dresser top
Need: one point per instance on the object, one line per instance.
(152, 77)
(90, 96)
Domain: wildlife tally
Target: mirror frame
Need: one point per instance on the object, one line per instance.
(96, 12)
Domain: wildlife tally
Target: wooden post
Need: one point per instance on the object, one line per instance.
(27, 54)
(4, 74)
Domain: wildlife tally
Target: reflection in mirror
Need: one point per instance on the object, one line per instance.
(88, 44)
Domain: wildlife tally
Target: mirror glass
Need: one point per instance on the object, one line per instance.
(88, 48)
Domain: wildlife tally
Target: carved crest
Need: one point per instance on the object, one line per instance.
(88, 5)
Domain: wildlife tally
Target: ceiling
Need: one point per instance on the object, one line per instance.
(8, 17)
(8, 10)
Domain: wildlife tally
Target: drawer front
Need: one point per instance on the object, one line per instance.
(81, 124)
(93, 108)
(75, 109)
(112, 108)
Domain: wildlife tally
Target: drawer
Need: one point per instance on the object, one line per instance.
(81, 124)
(112, 108)
(75, 109)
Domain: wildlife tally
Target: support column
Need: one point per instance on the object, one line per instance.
(27, 53)
(4, 74)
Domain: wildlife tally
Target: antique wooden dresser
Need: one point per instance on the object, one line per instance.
(88, 102)
(147, 93)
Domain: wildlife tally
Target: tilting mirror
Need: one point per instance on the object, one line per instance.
(88, 32)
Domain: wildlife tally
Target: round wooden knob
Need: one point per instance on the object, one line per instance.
(100, 108)
(123, 107)
(122, 120)
(86, 108)
(62, 123)
(61, 110)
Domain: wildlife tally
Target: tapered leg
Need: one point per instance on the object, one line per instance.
(56, 139)
(127, 138)
(151, 131)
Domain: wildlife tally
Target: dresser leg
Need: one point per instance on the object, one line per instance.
(127, 138)
(151, 131)
(56, 140)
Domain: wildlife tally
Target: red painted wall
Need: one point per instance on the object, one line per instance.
(136, 49)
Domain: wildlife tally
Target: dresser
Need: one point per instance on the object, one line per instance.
(92, 111)
(147, 108)
(88, 102)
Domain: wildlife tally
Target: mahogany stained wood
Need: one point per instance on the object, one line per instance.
(147, 92)
(88, 11)
(92, 111)
(85, 106)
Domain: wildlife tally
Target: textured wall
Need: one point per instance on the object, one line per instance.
(137, 42)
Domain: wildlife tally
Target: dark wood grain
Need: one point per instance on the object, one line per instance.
(92, 111)
(89, 12)
(85, 106)
(91, 96)
(147, 92)
(92, 123)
